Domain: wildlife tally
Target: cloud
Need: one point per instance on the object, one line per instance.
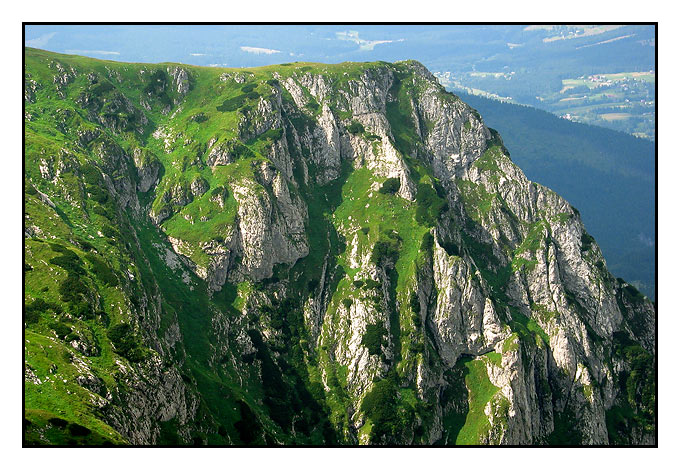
(40, 41)
(258, 50)
(88, 52)
(645, 240)
(364, 45)
(197, 54)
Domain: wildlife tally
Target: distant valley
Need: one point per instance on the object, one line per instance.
(597, 74)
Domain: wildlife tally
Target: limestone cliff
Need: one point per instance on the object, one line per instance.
(310, 253)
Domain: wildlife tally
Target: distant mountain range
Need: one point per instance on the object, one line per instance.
(598, 74)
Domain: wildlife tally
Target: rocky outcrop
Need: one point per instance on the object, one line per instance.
(30, 89)
(180, 81)
(549, 277)
(271, 226)
(361, 248)
(464, 319)
(148, 168)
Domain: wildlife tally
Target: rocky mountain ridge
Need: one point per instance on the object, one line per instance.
(308, 254)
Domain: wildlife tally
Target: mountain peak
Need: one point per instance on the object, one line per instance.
(307, 254)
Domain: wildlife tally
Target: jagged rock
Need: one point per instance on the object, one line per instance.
(148, 168)
(272, 230)
(180, 80)
(199, 186)
(30, 89)
(88, 135)
(503, 278)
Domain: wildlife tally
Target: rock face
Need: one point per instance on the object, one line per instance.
(148, 168)
(322, 254)
(271, 228)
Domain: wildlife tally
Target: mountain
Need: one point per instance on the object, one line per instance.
(307, 254)
(608, 175)
(598, 74)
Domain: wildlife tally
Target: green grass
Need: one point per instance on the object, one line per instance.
(488, 162)
(477, 200)
(115, 258)
(43, 427)
(494, 357)
(527, 327)
(383, 211)
(481, 391)
(59, 395)
(399, 115)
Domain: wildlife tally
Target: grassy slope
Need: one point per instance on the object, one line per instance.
(69, 222)
(79, 217)
(471, 427)
(373, 212)
(59, 393)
